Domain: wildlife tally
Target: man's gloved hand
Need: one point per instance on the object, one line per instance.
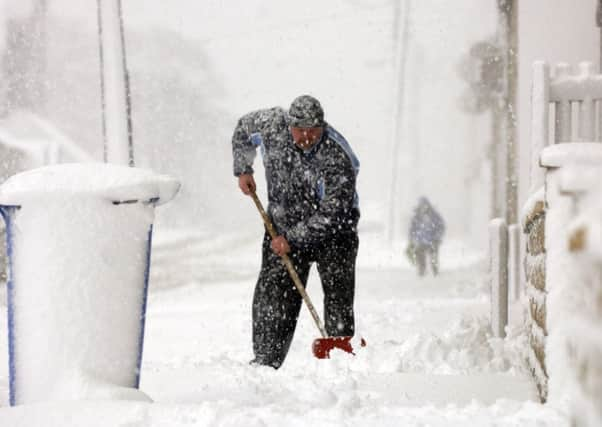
(246, 183)
(280, 246)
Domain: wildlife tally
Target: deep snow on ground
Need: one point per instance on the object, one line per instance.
(430, 359)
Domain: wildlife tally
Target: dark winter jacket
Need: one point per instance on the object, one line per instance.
(427, 226)
(311, 194)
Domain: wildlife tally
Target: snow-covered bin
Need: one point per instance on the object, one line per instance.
(78, 237)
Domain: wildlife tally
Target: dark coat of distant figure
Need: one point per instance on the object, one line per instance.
(426, 233)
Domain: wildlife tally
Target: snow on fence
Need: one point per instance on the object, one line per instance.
(498, 256)
(514, 261)
(503, 271)
(563, 281)
(564, 108)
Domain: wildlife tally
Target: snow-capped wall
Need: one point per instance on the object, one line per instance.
(79, 250)
(563, 356)
(573, 273)
(584, 324)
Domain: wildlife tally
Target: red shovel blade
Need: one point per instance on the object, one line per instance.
(322, 346)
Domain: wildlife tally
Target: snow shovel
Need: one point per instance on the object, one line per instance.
(321, 346)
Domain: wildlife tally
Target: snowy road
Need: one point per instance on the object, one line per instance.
(429, 360)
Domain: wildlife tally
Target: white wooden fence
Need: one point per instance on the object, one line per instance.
(565, 107)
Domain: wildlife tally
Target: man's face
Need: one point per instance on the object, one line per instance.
(305, 138)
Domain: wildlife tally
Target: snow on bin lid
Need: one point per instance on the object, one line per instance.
(114, 182)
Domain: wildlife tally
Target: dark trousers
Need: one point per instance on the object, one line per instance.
(276, 302)
(421, 252)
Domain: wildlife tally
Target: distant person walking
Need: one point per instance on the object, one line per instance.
(426, 233)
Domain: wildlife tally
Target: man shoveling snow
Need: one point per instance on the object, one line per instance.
(312, 203)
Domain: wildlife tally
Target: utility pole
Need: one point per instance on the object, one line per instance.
(483, 70)
(508, 40)
(115, 85)
(599, 24)
(400, 44)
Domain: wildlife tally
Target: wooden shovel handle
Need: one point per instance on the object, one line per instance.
(290, 267)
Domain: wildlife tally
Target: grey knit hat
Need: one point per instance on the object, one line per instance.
(306, 112)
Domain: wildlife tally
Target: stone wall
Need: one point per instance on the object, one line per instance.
(535, 287)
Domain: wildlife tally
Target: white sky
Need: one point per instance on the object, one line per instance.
(267, 52)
